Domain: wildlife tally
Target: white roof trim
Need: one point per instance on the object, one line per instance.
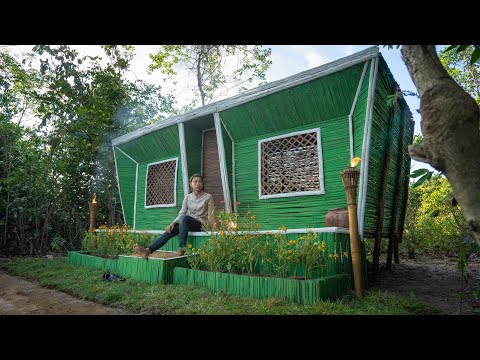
(255, 93)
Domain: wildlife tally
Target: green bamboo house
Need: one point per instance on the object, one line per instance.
(278, 150)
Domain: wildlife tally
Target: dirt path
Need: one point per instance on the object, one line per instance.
(435, 282)
(21, 297)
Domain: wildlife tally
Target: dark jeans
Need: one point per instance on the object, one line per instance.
(186, 223)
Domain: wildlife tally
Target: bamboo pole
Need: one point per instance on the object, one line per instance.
(93, 207)
(350, 177)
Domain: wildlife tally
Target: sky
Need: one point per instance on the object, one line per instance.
(287, 60)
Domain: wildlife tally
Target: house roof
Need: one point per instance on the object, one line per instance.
(255, 93)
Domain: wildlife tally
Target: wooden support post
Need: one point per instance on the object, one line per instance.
(393, 238)
(395, 249)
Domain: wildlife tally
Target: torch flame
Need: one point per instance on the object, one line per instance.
(354, 162)
(94, 200)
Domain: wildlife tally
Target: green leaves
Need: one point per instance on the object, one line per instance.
(422, 174)
(208, 63)
(475, 56)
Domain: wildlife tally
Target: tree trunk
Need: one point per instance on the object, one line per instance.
(450, 127)
(200, 78)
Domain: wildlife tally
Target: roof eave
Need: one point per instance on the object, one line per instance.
(255, 93)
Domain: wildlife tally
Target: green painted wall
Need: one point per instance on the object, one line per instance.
(193, 145)
(126, 169)
(384, 132)
(325, 98)
(157, 218)
(300, 211)
(153, 145)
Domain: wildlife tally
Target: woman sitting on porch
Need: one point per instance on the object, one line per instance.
(197, 211)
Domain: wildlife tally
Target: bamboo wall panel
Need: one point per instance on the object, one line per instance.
(325, 98)
(126, 176)
(299, 211)
(157, 218)
(193, 144)
(158, 144)
(380, 135)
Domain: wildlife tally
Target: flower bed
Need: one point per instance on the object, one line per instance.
(260, 287)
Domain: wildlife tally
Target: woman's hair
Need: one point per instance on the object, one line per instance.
(193, 177)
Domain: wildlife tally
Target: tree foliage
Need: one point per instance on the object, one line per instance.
(208, 64)
(50, 172)
(434, 224)
(463, 66)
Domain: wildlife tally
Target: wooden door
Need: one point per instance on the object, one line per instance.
(211, 169)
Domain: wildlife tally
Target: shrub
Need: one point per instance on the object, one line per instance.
(237, 246)
(111, 242)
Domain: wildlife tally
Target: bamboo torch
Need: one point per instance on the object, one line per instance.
(93, 206)
(350, 177)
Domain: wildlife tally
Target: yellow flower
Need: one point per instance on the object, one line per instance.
(284, 228)
(345, 254)
(319, 248)
(324, 244)
(190, 246)
(290, 251)
(315, 236)
(336, 256)
(292, 242)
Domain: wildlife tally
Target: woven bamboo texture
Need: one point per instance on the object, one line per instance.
(383, 134)
(296, 291)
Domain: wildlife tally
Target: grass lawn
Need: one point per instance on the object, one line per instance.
(141, 298)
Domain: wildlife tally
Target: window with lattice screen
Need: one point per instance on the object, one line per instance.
(161, 184)
(291, 165)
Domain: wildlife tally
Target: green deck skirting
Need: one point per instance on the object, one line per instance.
(297, 291)
(152, 271)
(82, 259)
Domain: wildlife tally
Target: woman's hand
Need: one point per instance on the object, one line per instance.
(169, 228)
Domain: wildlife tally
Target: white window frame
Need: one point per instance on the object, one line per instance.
(174, 184)
(320, 166)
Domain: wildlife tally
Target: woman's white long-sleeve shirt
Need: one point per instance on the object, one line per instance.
(199, 207)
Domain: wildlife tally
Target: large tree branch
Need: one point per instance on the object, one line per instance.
(450, 127)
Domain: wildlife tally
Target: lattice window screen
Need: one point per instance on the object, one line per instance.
(290, 165)
(161, 183)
